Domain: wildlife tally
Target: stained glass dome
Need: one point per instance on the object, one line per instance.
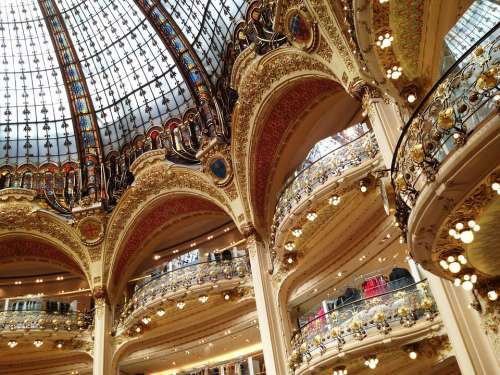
(87, 77)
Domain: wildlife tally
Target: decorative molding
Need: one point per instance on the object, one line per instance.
(257, 83)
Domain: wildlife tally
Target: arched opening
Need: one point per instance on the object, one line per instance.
(298, 115)
(164, 225)
(46, 304)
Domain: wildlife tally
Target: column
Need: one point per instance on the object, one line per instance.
(472, 349)
(271, 333)
(253, 366)
(103, 356)
(386, 122)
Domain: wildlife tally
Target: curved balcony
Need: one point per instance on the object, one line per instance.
(462, 103)
(327, 168)
(194, 280)
(40, 320)
(344, 328)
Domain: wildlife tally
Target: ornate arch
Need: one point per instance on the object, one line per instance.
(155, 185)
(155, 216)
(260, 83)
(21, 217)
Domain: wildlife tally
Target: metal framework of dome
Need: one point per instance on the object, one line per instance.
(82, 79)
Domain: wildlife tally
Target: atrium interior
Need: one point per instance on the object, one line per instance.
(249, 187)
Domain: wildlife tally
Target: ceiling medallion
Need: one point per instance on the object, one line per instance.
(91, 230)
(301, 29)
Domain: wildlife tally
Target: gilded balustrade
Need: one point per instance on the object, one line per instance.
(13, 320)
(357, 320)
(159, 287)
(333, 164)
(466, 96)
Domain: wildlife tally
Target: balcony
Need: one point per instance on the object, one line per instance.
(40, 320)
(463, 104)
(403, 312)
(177, 286)
(323, 172)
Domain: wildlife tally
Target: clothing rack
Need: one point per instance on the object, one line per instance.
(384, 271)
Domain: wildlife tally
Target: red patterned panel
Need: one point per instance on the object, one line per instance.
(283, 116)
(23, 248)
(155, 218)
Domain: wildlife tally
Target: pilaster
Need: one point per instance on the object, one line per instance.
(386, 122)
(103, 355)
(267, 310)
(472, 349)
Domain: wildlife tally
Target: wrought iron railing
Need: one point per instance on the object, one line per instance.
(12, 320)
(335, 163)
(196, 274)
(359, 319)
(462, 99)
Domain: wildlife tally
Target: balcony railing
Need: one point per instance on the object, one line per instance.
(185, 277)
(359, 319)
(466, 96)
(13, 320)
(335, 163)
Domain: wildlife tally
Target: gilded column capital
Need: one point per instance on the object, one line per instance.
(101, 300)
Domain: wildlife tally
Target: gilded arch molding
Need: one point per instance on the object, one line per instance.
(257, 81)
(154, 181)
(157, 215)
(20, 216)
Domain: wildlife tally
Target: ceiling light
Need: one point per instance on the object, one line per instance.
(341, 370)
(146, 320)
(60, 278)
(413, 354)
(455, 267)
(157, 257)
(496, 187)
(138, 329)
(18, 282)
(297, 232)
(227, 296)
(180, 305)
(385, 40)
(311, 216)
(203, 298)
(492, 295)
(38, 343)
(290, 246)
(160, 312)
(12, 344)
(462, 259)
(467, 285)
(394, 72)
(411, 98)
(444, 264)
(362, 186)
(334, 200)
(467, 236)
(59, 345)
(459, 226)
(372, 362)
(290, 260)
